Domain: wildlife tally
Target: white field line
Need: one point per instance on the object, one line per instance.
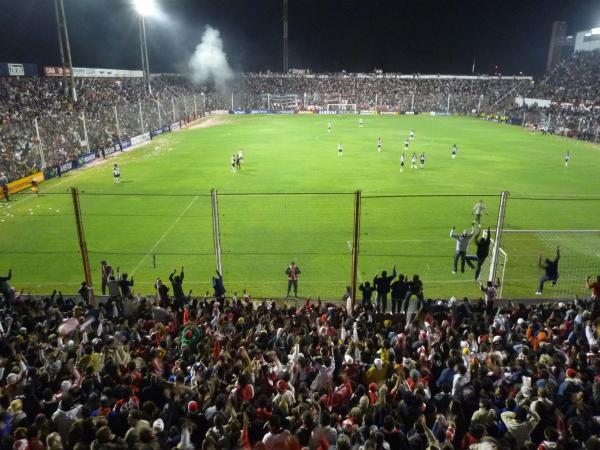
(549, 231)
(165, 234)
(360, 278)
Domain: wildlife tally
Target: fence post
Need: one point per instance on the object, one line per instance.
(85, 135)
(82, 244)
(37, 135)
(141, 117)
(160, 124)
(268, 101)
(214, 199)
(448, 105)
(597, 130)
(499, 227)
(355, 246)
(195, 107)
(479, 104)
(203, 104)
(173, 106)
(412, 103)
(117, 122)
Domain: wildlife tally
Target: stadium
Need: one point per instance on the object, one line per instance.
(217, 255)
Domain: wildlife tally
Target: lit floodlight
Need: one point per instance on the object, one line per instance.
(595, 30)
(145, 7)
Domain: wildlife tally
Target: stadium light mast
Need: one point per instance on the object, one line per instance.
(144, 9)
(285, 36)
(63, 34)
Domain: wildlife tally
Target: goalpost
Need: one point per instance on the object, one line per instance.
(342, 108)
(501, 262)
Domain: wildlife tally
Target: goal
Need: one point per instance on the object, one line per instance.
(342, 108)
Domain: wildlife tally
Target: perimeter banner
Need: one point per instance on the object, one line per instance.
(24, 183)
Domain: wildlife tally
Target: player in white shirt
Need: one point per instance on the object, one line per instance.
(413, 161)
(360, 122)
(567, 158)
(240, 158)
(412, 135)
(422, 158)
(378, 144)
(340, 149)
(406, 144)
(402, 163)
(478, 210)
(454, 149)
(116, 174)
(329, 127)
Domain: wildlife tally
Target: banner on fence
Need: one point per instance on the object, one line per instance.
(24, 183)
(87, 158)
(53, 71)
(328, 112)
(388, 113)
(175, 125)
(542, 103)
(367, 112)
(139, 139)
(18, 70)
(91, 72)
(155, 133)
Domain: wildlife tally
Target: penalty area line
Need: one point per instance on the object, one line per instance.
(165, 234)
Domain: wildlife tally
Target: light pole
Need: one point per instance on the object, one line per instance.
(144, 8)
(63, 34)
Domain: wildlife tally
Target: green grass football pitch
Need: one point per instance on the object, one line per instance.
(161, 212)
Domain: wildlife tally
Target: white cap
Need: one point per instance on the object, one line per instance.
(158, 426)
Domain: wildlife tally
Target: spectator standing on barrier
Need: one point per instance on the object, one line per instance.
(462, 245)
(126, 284)
(399, 289)
(382, 286)
(293, 273)
(105, 271)
(177, 284)
(367, 293)
(415, 287)
(5, 289)
(218, 286)
(550, 271)
(483, 250)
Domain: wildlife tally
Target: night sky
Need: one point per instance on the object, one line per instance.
(421, 36)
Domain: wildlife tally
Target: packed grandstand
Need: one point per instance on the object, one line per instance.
(170, 371)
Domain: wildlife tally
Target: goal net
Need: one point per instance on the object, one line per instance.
(579, 258)
(342, 108)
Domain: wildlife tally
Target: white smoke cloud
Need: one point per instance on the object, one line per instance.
(209, 62)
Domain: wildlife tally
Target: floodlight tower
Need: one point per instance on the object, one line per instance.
(144, 8)
(285, 36)
(63, 35)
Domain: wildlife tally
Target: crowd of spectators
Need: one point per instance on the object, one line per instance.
(214, 373)
(370, 91)
(572, 86)
(112, 109)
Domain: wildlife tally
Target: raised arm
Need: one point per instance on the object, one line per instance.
(453, 233)
(557, 254)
